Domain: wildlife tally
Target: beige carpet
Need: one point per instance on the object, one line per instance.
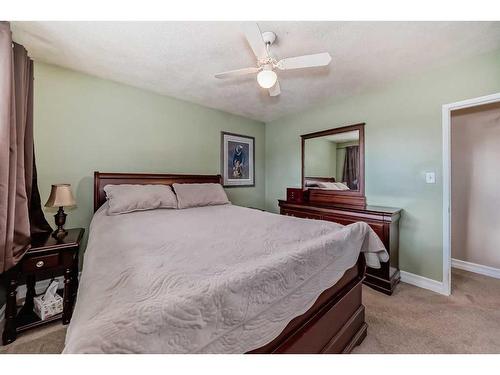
(413, 320)
(48, 339)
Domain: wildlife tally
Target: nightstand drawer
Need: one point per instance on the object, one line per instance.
(41, 263)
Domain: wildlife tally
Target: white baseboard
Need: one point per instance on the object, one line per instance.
(476, 268)
(424, 282)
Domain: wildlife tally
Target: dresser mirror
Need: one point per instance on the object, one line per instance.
(333, 165)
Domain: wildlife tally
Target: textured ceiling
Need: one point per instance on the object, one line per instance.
(179, 59)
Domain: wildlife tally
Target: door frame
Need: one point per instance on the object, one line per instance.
(447, 209)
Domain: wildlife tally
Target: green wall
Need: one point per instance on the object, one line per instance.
(84, 124)
(403, 141)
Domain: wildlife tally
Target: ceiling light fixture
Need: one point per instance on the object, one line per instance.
(266, 63)
(266, 79)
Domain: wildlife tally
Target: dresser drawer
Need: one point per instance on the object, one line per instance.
(302, 214)
(377, 227)
(339, 220)
(41, 263)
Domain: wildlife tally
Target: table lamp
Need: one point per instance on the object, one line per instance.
(60, 196)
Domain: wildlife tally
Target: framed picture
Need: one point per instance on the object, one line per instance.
(237, 160)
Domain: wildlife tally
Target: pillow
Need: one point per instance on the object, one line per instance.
(198, 195)
(333, 185)
(128, 198)
(342, 186)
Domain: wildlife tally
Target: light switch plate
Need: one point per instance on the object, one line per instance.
(430, 177)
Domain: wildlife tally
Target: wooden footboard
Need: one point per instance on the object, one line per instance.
(334, 324)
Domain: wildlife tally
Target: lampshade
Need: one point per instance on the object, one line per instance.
(266, 79)
(60, 196)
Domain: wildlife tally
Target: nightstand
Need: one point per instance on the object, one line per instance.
(48, 257)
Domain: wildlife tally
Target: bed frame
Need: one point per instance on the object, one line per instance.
(336, 321)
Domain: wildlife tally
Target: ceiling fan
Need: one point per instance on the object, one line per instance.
(260, 42)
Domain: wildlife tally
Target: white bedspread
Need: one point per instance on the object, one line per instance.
(220, 279)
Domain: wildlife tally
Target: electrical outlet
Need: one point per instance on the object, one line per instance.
(430, 177)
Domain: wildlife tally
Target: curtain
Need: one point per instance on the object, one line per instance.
(351, 167)
(19, 196)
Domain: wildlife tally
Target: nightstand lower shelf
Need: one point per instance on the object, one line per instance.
(28, 319)
(32, 320)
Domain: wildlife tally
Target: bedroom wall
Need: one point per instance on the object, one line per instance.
(84, 124)
(403, 141)
(475, 187)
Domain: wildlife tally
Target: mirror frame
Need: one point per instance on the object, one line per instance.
(356, 197)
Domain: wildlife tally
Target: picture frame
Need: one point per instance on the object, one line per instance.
(237, 160)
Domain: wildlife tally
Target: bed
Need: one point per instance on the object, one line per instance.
(218, 279)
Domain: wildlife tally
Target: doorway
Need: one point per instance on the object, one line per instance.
(467, 107)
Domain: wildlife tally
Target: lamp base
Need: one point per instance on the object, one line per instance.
(60, 220)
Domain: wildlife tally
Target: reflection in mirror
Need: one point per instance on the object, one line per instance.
(332, 161)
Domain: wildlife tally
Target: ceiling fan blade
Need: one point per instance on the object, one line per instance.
(306, 61)
(254, 38)
(236, 73)
(275, 90)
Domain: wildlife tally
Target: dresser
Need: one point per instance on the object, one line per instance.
(383, 220)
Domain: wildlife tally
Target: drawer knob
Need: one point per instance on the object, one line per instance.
(40, 264)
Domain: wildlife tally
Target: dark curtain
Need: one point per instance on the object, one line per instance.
(20, 208)
(351, 167)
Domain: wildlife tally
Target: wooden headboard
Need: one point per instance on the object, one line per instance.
(103, 179)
